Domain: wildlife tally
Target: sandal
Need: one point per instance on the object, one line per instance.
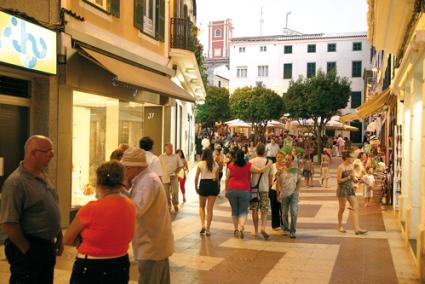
(202, 231)
(236, 233)
(342, 230)
(265, 235)
(360, 232)
(241, 234)
(208, 233)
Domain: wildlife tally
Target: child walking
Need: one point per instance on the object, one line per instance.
(324, 169)
(369, 181)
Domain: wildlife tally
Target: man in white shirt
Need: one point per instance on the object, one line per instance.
(263, 202)
(271, 149)
(171, 165)
(146, 143)
(153, 241)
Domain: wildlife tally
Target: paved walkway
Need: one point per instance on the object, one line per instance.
(320, 254)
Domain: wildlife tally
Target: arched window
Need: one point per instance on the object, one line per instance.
(217, 33)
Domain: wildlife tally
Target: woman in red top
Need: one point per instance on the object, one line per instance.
(102, 231)
(238, 189)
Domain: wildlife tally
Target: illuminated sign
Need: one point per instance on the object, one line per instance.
(27, 45)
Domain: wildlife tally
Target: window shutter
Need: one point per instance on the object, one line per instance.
(139, 5)
(160, 20)
(115, 8)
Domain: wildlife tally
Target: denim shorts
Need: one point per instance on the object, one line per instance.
(239, 201)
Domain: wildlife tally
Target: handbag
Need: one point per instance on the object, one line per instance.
(255, 190)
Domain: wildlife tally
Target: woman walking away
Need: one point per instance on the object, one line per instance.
(102, 231)
(182, 173)
(220, 160)
(238, 189)
(345, 191)
(276, 208)
(207, 188)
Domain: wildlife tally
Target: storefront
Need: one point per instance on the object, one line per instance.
(27, 86)
(106, 101)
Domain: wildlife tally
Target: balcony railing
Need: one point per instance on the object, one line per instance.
(181, 34)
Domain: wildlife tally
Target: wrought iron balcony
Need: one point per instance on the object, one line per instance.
(182, 34)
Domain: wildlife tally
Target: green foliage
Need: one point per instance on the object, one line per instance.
(318, 98)
(215, 109)
(257, 105)
(198, 49)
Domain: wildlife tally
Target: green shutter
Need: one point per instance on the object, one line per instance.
(160, 20)
(139, 6)
(115, 7)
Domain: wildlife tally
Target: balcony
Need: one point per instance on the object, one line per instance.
(182, 34)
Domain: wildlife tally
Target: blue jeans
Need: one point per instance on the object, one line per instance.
(290, 202)
(239, 201)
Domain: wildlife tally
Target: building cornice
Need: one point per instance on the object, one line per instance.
(298, 37)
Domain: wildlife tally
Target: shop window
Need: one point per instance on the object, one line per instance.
(356, 136)
(287, 71)
(110, 6)
(99, 125)
(14, 87)
(311, 69)
(149, 17)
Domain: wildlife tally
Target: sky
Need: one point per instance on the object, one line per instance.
(307, 16)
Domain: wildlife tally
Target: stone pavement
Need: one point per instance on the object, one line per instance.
(319, 254)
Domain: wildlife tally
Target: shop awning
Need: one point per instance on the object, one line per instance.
(370, 107)
(132, 75)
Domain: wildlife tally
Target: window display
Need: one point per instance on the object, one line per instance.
(100, 124)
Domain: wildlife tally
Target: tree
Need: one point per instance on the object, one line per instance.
(319, 98)
(257, 105)
(215, 109)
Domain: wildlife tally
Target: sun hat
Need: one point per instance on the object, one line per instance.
(134, 157)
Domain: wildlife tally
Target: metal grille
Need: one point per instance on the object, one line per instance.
(181, 34)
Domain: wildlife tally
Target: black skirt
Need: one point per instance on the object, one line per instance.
(208, 187)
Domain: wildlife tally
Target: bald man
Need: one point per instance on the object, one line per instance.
(29, 215)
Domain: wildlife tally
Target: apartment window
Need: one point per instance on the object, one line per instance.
(331, 47)
(356, 70)
(263, 71)
(287, 71)
(311, 48)
(149, 17)
(287, 49)
(110, 6)
(357, 46)
(331, 66)
(241, 72)
(263, 48)
(217, 33)
(356, 99)
(311, 69)
(242, 49)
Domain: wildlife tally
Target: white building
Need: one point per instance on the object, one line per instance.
(276, 60)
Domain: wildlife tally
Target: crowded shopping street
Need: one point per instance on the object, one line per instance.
(319, 254)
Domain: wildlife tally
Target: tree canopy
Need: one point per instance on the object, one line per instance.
(257, 105)
(319, 98)
(215, 109)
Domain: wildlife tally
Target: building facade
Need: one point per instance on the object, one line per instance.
(118, 78)
(276, 60)
(397, 31)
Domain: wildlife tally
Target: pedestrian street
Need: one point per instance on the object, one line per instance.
(319, 254)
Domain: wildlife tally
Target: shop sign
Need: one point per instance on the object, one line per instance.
(27, 45)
